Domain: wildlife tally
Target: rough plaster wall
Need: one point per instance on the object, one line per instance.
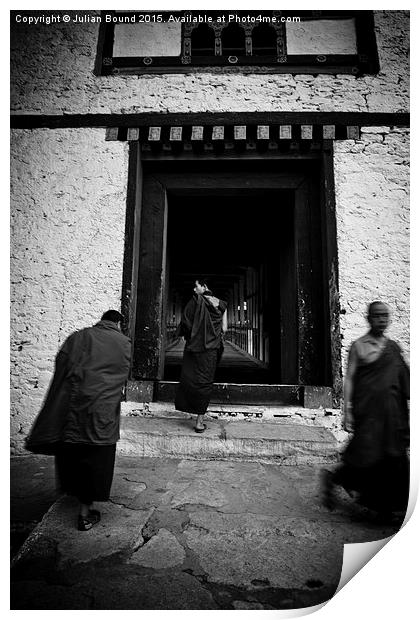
(64, 81)
(68, 202)
(372, 201)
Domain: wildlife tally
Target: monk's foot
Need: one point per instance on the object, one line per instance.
(200, 429)
(85, 523)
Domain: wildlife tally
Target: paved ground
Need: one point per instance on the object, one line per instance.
(183, 534)
(32, 484)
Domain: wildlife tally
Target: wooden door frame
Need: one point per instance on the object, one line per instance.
(148, 368)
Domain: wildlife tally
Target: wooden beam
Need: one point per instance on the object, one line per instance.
(218, 133)
(285, 132)
(133, 133)
(263, 132)
(328, 132)
(241, 183)
(111, 133)
(306, 132)
(154, 134)
(197, 133)
(353, 133)
(175, 134)
(239, 132)
(147, 119)
(240, 393)
(274, 154)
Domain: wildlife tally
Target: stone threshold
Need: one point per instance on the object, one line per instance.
(271, 442)
(329, 419)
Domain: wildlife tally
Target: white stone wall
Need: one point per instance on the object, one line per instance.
(67, 245)
(52, 68)
(372, 202)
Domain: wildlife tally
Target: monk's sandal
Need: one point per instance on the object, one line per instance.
(86, 523)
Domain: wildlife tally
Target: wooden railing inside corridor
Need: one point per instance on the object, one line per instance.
(245, 314)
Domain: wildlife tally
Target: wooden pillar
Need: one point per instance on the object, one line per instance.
(260, 315)
(235, 311)
(241, 288)
(311, 285)
(250, 306)
(255, 313)
(148, 360)
(305, 318)
(241, 299)
(332, 310)
(230, 314)
(132, 240)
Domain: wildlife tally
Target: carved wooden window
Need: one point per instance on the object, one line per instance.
(233, 42)
(265, 41)
(202, 41)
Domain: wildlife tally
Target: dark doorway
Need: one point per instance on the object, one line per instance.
(263, 233)
(243, 243)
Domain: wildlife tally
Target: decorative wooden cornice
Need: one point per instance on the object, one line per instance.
(233, 134)
(236, 135)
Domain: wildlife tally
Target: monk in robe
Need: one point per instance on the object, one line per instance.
(202, 325)
(376, 393)
(79, 420)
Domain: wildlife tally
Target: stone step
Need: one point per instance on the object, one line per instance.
(288, 444)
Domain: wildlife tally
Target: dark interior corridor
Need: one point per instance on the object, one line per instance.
(243, 243)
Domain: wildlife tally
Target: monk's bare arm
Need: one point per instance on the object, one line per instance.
(224, 322)
(348, 389)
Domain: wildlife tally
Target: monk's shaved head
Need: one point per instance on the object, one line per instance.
(112, 315)
(375, 305)
(378, 317)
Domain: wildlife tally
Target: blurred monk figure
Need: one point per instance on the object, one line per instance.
(376, 393)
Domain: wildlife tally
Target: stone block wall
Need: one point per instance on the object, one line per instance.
(52, 68)
(372, 203)
(67, 245)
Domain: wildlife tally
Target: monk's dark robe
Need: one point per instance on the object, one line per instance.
(201, 326)
(79, 420)
(83, 401)
(375, 460)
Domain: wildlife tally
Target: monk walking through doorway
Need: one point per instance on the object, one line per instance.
(203, 323)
